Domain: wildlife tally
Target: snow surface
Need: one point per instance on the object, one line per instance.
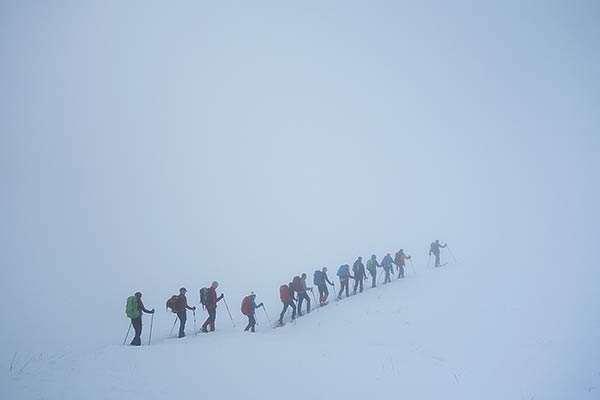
(453, 332)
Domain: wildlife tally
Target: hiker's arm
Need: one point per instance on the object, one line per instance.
(328, 281)
(443, 246)
(145, 310)
(220, 297)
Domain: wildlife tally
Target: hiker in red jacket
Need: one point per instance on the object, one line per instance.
(286, 294)
(211, 307)
(249, 309)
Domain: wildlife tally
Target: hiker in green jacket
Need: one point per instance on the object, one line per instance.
(135, 307)
(372, 266)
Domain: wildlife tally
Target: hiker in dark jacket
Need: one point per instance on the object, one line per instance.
(211, 307)
(301, 289)
(386, 263)
(250, 312)
(182, 307)
(321, 280)
(359, 274)
(137, 322)
(435, 250)
(286, 294)
(344, 275)
(400, 261)
(372, 266)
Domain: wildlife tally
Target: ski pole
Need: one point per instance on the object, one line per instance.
(151, 324)
(313, 296)
(127, 335)
(174, 322)
(228, 312)
(452, 254)
(266, 314)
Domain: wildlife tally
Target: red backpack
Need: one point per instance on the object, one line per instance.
(247, 306)
(284, 293)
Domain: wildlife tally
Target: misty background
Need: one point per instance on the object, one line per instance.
(148, 146)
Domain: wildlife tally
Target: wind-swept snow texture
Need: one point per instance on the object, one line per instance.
(452, 333)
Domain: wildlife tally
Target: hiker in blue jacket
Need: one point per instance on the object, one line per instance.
(344, 274)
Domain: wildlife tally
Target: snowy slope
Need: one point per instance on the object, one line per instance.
(442, 333)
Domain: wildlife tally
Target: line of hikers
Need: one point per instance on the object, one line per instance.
(321, 281)
(292, 295)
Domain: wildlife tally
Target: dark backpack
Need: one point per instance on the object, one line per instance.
(204, 296)
(297, 284)
(318, 278)
(247, 308)
(174, 303)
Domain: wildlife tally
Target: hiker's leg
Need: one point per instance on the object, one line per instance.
(293, 309)
(137, 327)
(252, 323)
(307, 302)
(182, 318)
(285, 307)
(213, 318)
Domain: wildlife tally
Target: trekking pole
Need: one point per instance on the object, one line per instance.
(174, 322)
(429, 260)
(151, 323)
(228, 312)
(412, 265)
(195, 326)
(266, 314)
(452, 254)
(313, 296)
(127, 335)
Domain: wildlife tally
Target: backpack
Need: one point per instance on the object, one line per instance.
(247, 308)
(204, 296)
(284, 293)
(132, 310)
(343, 271)
(297, 284)
(371, 265)
(174, 303)
(318, 278)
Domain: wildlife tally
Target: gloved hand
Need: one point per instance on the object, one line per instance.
(194, 308)
(152, 311)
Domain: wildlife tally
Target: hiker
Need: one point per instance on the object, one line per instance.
(286, 294)
(359, 274)
(211, 301)
(249, 309)
(134, 310)
(435, 250)
(321, 280)
(299, 285)
(372, 266)
(179, 305)
(344, 274)
(386, 263)
(400, 261)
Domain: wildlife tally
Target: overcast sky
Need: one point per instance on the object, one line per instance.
(149, 145)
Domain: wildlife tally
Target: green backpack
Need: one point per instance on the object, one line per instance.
(132, 310)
